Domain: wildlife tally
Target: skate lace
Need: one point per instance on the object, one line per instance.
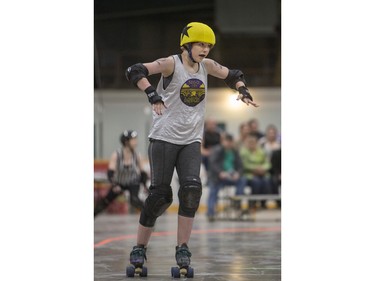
(182, 252)
(139, 252)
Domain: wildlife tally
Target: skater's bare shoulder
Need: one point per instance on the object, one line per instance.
(215, 69)
(164, 66)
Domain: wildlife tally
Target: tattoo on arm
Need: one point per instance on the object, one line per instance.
(159, 61)
(218, 65)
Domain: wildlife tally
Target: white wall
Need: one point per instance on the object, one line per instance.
(118, 110)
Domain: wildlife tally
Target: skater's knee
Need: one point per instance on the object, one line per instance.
(156, 204)
(111, 195)
(189, 195)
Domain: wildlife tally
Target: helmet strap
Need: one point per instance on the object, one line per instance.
(188, 48)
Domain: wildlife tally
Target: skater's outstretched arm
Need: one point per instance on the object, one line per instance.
(233, 78)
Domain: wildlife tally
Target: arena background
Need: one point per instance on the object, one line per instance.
(127, 32)
(47, 117)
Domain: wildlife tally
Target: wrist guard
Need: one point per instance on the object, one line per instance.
(152, 95)
(245, 93)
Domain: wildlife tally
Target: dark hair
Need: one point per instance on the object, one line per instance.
(127, 135)
(228, 137)
(254, 135)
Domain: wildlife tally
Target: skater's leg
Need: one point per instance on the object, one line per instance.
(112, 194)
(185, 226)
(157, 202)
(162, 158)
(183, 256)
(190, 191)
(138, 256)
(143, 235)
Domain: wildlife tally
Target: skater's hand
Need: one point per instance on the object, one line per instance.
(158, 107)
(244, 95)
(116, 189)
(247, 100)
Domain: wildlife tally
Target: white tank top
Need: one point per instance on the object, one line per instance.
(185, 97)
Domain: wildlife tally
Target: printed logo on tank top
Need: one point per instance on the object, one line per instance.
(192, 92)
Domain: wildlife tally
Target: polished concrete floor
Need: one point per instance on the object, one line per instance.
(222, 250)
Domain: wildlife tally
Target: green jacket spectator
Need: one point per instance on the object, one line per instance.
(256, 167)
(255, 162)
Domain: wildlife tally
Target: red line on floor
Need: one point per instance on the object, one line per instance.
(195, 231)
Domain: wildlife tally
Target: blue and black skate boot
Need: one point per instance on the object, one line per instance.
(183, 261)
(137, 259)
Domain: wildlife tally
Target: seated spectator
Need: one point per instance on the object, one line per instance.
(225, 170)
(211, 137)
(270, 141)
(254, 128)
(256, 167)
(244, 130)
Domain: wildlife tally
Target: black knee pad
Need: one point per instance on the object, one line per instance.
(156, 204)
(189, 195)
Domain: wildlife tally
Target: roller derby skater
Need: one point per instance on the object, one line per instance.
(178, 105)
(124, 173)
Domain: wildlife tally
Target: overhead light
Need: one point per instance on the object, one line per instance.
(233, 102)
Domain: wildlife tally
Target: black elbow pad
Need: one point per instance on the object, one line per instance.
(135, 73)
(233, 77)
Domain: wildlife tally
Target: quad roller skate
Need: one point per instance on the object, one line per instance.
(183, 261)
(137, 259)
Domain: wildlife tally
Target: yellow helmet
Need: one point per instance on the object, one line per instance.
(197, 32)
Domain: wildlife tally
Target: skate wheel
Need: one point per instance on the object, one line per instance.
(190, 272)
(175, 271)
(130, 271)
(183, 271)
(144, 272)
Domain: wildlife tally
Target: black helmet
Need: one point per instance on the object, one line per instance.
(127, 135)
